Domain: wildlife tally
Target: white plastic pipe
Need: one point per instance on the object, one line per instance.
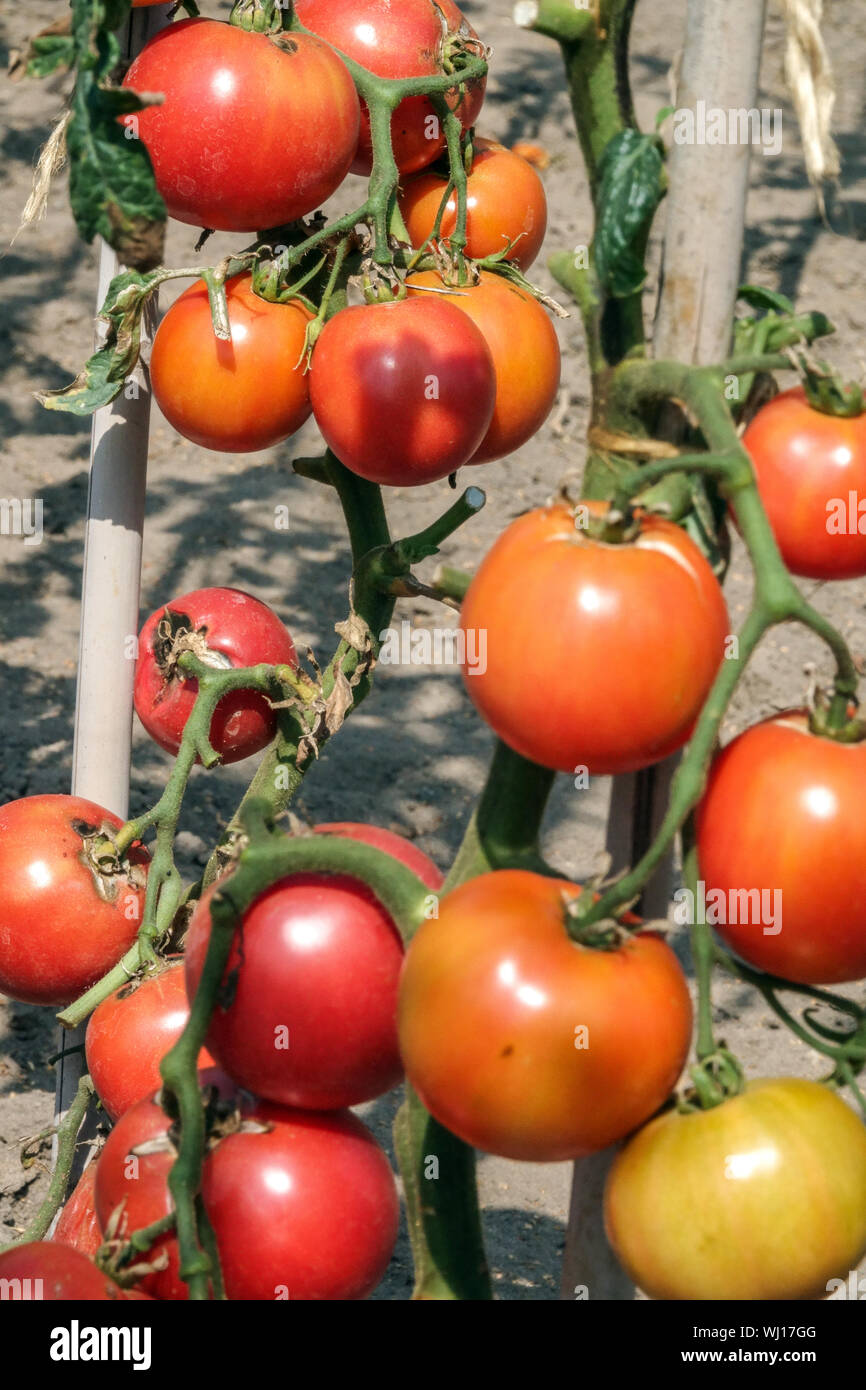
(110, 588)
(703, 248)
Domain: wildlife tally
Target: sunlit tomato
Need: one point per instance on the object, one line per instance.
(65, 919)
(228, 628)
(238, 396)
(527, 1044)
(303, 1204)
(782, 851)
(395, 845)
(130, 1032)
(308, 1210)
(314, 974)
(811, 471)
(402, 392)
(256, 130)
(56, 1273)
(403, 39)
(615, 680)
(505, 203)
(762, 1197)
(525, 352)
(131, 1191)
(78, 1225)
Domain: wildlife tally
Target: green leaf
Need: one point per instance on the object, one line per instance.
(49, 53)
(103, 375)
(633, 183)
(111, 184)
(761, 298)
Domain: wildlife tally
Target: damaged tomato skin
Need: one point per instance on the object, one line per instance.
(242, 630)
(58, 936)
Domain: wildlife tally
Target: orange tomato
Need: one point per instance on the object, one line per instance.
(524, 1042)
(525, 352)
(505, 203)
(238, 396)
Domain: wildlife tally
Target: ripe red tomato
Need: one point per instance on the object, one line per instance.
(505, 203)
(402, 39)
(761, 1197)
(53, 1273)
(811, 471)
(308, 1210)
(616, 681)
(782, 843)
(395, 845)
(238, 630)
(131, 1191)
(525, 353)
(311, 1020)
(78, 1225)
(48, 883)
(232, 397)
(255, 130)
(527, 1044)
(402, 392)
(130, 1032)
(303, 1205)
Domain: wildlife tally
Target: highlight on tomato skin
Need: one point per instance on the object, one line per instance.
(527, 1044)
(782, 848)
(761, 1197)
(617, 681)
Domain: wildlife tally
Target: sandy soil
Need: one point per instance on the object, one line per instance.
(414, 756)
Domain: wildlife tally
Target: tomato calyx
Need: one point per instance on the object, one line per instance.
(832, 715)
(176, 635)
(715, 1079)
(261, 16)
(828, 393)
(108, 868)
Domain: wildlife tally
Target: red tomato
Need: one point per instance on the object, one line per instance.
(505, 203)
(308, 1210)
(525, 352)
(782, 843)
(314, 993)
(616, 680)
(762, 1197)
(232, 397)
(403, 39)
(130, 1032)
(525, 1043)
(303, 1205)
(48, 884)
(131, 1191)
(255, 130)
(78, 1225)
(395, 845)
(402, 392)
(44, 1271)
(811, 471)
(238, 630)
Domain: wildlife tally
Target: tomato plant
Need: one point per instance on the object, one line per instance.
(69, 906)
(396, 845)
(811, 470)
(404, 40)
(225, 628)
(761, 1197)
(58, 1274)
(130, 1032)
(224, 162)
(618, 681)
(781, 845)
(505, 205)
(525, 352)
(402, 392)
(311, 994)
(527, 1043)
(237, 396)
